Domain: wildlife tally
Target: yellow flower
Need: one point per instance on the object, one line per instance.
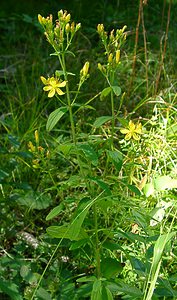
(53, 85)
(132, 131)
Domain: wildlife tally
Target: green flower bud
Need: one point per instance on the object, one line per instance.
(78, 26)
(101, 68)
(110, 58)
(111, 37)
(72, 27)
(85, 69)
(100, 29)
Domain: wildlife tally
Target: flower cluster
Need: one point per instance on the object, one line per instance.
(39, 153)
(60, 34)
(112, 44)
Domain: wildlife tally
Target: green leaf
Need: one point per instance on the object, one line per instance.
(43, 294)
(111, 246)
(66, 232)
(59, 73)
(158, 213)
(104, 186)
(101, 120)
(78, 244)
(156, 262)
(106, 294)
(89, 153)
(110, 267)
(134, 189)
(105, 93)
(55, 116)
(80, 215)
(116, 89)
(86, 279)
(73, 231)
(128, 289)
(3, 175)
(55, 211)
(97, 290)
(65, 148)
(10, 289)
(28, 276)
(33, 200)
(116, 158)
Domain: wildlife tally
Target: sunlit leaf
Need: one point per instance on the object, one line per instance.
(55, 211)
(55, 116)
(164, 182)
(117, 90)
(148, 189)
(105, 93)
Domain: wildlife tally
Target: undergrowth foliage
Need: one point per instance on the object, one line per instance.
(108, 192)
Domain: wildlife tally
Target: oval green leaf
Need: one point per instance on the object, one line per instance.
(55, 116)
(105, 93)
(117, 90)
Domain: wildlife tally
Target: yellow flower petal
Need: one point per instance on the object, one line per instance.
(128, 136)
(124, 130)
(47, 88)
(62, 84)
(44, 80)
(138, 128)
(131, 126)
(136, 137)
(59, 92)
(51, 93)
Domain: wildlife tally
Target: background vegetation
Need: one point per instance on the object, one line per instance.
(115, 197)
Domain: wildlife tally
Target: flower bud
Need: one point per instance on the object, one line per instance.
(101, 68)
(31, 147)
(100, 29)
(78, 26)
(72, 27)
(117, 56)
(36, 134)
(110, 58)
(85, 69)
(67, 18)
(41, 19)
(111, 37)
(60, 14)
(67, 28)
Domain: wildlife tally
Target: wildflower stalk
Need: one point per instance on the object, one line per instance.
(73, 132)
(113, 115)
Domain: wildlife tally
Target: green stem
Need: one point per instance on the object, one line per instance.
(68, 99)
(113, 120)
(112, 111)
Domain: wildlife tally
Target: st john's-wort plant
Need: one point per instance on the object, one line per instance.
(108, 181)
